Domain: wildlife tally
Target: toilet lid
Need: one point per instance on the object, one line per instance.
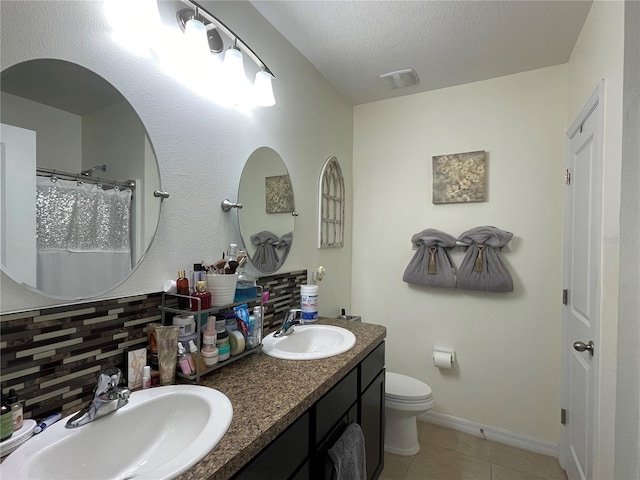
(404, 388)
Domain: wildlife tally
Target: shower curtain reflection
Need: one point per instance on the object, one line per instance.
(82, 237)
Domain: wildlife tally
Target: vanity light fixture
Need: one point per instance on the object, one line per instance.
(234, 56)
(212, 37)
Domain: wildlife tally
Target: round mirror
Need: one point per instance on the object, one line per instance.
(77, 184)
(267, 218)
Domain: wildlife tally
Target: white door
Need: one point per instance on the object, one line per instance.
(18, 203)
(582, 247)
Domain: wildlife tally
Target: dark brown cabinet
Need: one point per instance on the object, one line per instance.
(372, 423)
(300, 452)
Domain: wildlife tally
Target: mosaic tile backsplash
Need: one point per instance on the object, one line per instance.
(52, 356)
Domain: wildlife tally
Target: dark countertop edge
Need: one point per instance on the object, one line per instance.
(227, 459)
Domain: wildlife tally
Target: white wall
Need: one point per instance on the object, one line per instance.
(598, 56)
(113, 136)
(507, 345)
(627, 462)
(201, 147)
(59, 139)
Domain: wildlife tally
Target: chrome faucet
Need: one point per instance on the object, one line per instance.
(108, 396)
(289, 322)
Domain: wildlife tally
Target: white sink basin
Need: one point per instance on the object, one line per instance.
(159, 434)
(309, 342)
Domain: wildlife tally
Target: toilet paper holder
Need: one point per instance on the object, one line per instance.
(444, 357)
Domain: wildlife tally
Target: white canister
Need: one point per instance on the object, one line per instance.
(309, 302)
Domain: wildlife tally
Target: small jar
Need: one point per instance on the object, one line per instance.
(221, 325)
(224, 352)
(210, 355)
(186, 324)
(231, 323)
(221, 341)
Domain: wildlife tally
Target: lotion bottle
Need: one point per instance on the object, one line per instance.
(146, 377)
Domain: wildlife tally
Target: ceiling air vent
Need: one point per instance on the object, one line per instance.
(401, 78)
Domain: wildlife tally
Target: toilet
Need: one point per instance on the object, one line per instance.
(405, 399)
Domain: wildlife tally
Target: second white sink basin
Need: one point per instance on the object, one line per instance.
(159, 434)
(309, 342)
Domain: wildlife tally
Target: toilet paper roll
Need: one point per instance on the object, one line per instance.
(443, 360)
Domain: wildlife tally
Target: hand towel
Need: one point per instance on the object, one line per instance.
(482, 268)
(348, 455)
(431, 265)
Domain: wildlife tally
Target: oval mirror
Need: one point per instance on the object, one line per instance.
(78, 176)
(267, 219)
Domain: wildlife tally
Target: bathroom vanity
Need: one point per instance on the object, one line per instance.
(288, 413)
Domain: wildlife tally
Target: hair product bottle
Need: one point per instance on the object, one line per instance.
(185, 360)
(182, 288)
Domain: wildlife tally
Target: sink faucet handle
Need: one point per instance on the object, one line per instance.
(108, 379)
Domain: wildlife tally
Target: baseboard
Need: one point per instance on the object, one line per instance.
(491, 433)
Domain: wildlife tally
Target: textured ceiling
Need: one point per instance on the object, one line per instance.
(353, 42)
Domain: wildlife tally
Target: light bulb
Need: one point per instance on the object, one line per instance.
(235, 79)
(234, 66)
(263, 90)
(196, 34)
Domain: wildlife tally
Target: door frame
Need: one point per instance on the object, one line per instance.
(596, 99)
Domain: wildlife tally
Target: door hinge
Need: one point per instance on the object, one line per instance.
(563, 416)
(567, 177)
(565, 297)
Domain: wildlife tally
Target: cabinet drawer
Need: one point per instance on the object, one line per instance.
(336, 403)
(371, 367)
(283, 456)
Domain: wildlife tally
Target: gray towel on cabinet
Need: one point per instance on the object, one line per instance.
(431, 265)
(348, 455)
(482, 268)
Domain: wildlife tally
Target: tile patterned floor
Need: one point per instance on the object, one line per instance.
(447, 454)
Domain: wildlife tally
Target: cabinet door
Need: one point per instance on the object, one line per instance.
(372, 423)
(333, 406)
(282, 457)
(323, 466)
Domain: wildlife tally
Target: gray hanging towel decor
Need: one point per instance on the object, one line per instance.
(431, 265)
(267, 257)
(482, 268)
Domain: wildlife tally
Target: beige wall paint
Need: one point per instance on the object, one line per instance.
(507, 345)
(201, 147)
(598, 57)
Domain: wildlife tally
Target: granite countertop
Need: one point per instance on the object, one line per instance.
(268, 394)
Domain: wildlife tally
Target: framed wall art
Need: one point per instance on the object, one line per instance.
(279, 194)
(460, 178)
